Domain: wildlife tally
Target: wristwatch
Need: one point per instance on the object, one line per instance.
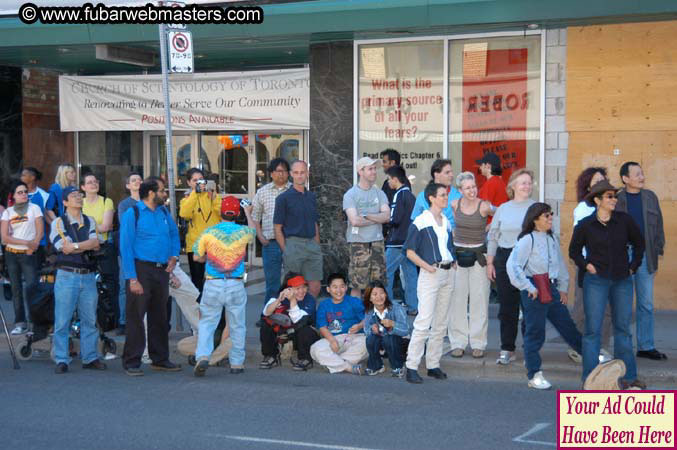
(77, 247)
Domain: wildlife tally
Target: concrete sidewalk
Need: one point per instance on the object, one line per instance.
(556, 364)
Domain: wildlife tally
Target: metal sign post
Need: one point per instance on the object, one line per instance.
(168, 121)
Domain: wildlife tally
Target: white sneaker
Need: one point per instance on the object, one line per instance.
(505, 357)
(604, 356)
(538, 382)
(145, 359)
(19, 329)
(574, 356)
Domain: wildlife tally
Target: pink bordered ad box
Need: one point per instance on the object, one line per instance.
(630, 419)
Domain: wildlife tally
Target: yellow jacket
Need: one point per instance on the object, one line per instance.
(197, 211)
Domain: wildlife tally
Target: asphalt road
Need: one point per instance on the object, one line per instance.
(263, 409)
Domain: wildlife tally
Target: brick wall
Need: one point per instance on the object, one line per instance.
(44, 146)
(556, 136)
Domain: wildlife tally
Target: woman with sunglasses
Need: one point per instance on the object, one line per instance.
(536, 267)
(607, 271)
(22, 228)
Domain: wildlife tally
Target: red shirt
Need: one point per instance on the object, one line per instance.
(494, 192)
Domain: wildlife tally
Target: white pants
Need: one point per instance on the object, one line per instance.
(352, 350)
(468, 320)
(434, 297)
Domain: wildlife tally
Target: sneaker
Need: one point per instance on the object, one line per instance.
(134, 371)
(538, 382)
(413, 377)
(269, 362)
(61, 368)
(575, 356)
(145, 359)
(604, 356)
(108, 356)
(200, 368)
(302, 365)
(96, 365)
(372, 373)
(356, 369)
(19, 329)
(505, 357)
(397, 373)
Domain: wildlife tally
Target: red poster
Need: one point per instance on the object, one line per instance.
(495, 102)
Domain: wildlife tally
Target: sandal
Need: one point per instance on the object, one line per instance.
(477, 353)
(457, 352)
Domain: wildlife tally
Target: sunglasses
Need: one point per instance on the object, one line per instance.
(610, 196)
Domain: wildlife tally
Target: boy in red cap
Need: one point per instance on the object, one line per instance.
(223, 247)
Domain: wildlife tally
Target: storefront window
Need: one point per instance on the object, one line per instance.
(401, 104)
(111, 156)
(495, 92)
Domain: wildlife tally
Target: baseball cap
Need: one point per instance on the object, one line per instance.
(490, 158)
(67, 191)
(230, 206)
(366, 162)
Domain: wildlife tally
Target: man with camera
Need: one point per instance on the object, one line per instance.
(74, 236)
(201, 208)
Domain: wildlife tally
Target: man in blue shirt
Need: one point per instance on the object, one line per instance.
(340, 320)
(441, 173)
(149, 244)
(297, 230)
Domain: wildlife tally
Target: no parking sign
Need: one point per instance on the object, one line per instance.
(180, 51)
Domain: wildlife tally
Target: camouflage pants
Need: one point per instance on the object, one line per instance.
(367, 263)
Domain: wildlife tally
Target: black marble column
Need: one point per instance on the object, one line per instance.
(10, 127)
(331, 144)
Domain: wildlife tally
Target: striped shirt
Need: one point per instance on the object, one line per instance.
(264, 207)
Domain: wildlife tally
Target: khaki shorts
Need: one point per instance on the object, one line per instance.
(367, 263)
(303, 256)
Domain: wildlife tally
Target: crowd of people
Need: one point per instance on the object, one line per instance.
(449, 245)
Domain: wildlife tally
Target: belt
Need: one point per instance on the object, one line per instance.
(78, 270)
(16, 251)
(224, 278)
(152, 264)
(445, 266)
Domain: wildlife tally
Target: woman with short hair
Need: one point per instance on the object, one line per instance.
(468, 312)
(505, 228)
(65, 176)
(536, 267)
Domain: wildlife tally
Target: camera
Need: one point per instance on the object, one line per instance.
(245, 202)
(200, 185)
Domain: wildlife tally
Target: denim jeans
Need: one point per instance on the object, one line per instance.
(535, 314)
(597, 291)
(219, 294)
(72, 290)
(392, 344)
(272, 268)
(643, 281)
(395, 258)
(18, 265)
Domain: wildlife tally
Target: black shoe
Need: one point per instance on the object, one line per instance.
(200, 368)
(414, 377)
(61, 368)
(302, 365)
(236, 370)
(437, 373)
(96, 365)
(134, 371)
(166, 366)
(651, 354)
(120, 331)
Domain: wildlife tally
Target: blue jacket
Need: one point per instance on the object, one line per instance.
(422, 239)
(401, 206)
(395, 313)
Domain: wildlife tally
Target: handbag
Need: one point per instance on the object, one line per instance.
(542, 283)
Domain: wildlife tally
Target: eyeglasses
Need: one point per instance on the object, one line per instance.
(610, 196)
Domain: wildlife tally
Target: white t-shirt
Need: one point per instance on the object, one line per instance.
(22, 227)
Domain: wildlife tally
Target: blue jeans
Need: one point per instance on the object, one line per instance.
(272, 268)
(395, 258)
(216, 295)
(17, 265)
(72, 290)
(597, 291)
(535, 314)
(643, 281)
(122, 296)
(392, 344)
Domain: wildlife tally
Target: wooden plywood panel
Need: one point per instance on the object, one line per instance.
(622, 77)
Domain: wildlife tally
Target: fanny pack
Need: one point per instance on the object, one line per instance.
(466, 256)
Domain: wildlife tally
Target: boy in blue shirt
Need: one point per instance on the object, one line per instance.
(340, 322)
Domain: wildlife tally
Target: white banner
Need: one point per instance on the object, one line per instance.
(261, 100)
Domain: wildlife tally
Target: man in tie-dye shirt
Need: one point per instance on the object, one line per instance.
(223, 247)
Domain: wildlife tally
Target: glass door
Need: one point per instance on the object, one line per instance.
(182, 148)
